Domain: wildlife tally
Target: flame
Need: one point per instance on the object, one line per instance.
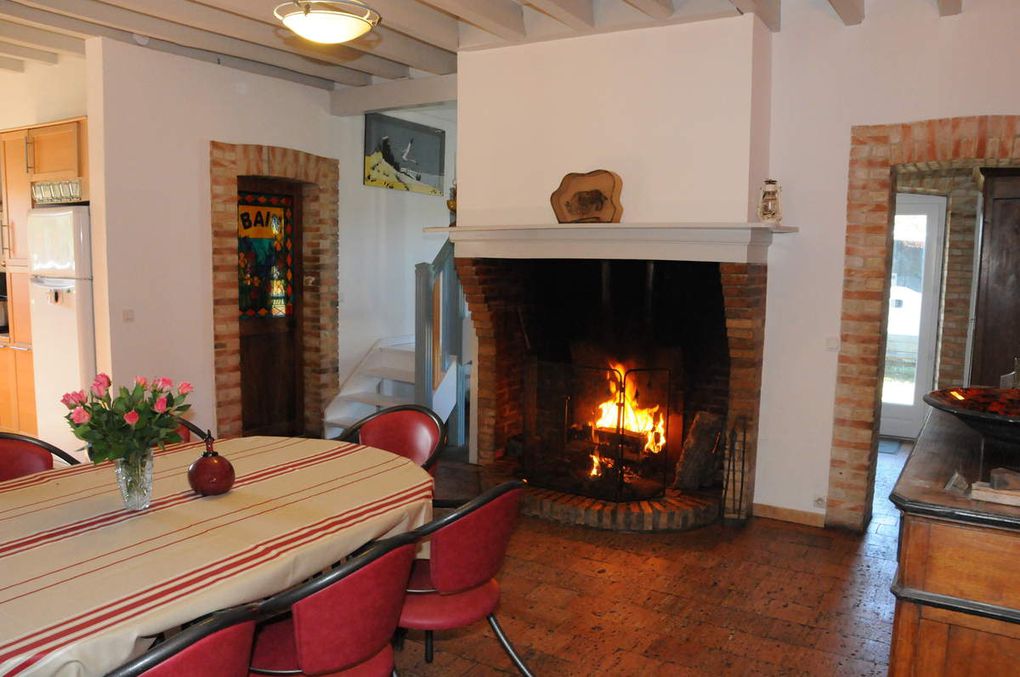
(596, 465)
(648, 422)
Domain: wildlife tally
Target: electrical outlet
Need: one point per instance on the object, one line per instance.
(820, 502)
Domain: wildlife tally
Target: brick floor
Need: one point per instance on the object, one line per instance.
(770, 598)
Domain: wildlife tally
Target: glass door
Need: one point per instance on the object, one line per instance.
(918, 232)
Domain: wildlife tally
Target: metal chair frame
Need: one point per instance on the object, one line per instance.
(351, 434)
(55, 451)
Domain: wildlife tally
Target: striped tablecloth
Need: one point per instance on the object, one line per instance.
(81, 579)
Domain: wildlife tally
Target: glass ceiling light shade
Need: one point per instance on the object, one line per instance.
(327, 21)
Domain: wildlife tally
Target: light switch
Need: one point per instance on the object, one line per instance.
(128, 315)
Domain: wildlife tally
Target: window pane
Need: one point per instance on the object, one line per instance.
(265, 255)
(904, 309)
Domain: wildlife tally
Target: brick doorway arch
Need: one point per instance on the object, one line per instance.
(875, 153)
(319, 177)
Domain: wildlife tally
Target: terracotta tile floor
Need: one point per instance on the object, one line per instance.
(770, 598)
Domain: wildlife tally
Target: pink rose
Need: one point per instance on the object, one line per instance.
(80, 416)
(159, 405)
(141, 381)
(185, 388)
(131, 417)
(67, 400)
(162, 383)
(100, 385)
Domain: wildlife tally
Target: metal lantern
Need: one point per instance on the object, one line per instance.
(769, 208)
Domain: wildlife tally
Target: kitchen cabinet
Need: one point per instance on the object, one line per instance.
(17, 387)
(55, 152)
(8, 390)
(17, 198)
(24, 372)
(18, 308)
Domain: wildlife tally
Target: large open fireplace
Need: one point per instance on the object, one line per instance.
(596, 356)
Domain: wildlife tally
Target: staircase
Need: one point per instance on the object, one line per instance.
(383, 378)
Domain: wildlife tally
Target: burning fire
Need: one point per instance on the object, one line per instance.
(648, 422)
(596, 465)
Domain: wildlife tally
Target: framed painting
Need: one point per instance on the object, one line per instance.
(403, 155)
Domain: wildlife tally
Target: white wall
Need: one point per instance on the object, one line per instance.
(903, 63)
(381, 240)
(669, 109)
(152, 117)
(43, 92)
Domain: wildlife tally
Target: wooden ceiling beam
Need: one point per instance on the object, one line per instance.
(766, 10)
(504, 18)
(227, 24)
(9, 64)
(37, 37)
(850, 11)
(419, 21)
(396, 94)
(87, 17)
(382, 42)
(950, 7)
(28, 53)
(657, 9)
(577, 14)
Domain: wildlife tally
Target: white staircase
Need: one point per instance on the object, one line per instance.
(383, 378)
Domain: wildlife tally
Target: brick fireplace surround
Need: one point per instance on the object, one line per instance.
(494, 298)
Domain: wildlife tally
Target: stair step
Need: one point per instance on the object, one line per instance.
(399, 356)
(374, 399)
(391, 373)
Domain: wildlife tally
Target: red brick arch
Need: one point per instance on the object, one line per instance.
(319, 177)
(875, 152)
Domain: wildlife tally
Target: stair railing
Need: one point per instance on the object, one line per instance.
(439, 315)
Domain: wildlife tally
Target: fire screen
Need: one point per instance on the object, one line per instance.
(600, 432)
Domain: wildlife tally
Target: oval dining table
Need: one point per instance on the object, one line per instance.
(84, 582)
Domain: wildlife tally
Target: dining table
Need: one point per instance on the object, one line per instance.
(85, 583)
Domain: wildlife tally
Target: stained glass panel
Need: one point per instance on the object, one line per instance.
(265, 255)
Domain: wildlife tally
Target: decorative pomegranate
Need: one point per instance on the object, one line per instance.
(211, 474)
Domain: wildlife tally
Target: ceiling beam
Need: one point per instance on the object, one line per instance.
(950, 7)
(504, 18)
(850, 11)
(577, 14)
(657, 9)
(224, 23)
(37, 37)
(87, 17)
(28, 53)
(396, 94)
(766, 10)
(419, 21)
(382, 42)
(9, 64)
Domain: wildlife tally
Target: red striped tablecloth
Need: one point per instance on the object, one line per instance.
(81, 579)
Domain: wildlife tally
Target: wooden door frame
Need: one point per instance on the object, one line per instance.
(319, 315)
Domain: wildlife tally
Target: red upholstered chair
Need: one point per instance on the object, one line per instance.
(340, 623)
(413, 431)
(218, 646)
(23, 455)
(187, 428)
(456, 586)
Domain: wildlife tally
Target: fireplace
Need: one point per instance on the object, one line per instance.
(566, 315)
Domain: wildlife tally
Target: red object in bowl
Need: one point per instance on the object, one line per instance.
(211, 474)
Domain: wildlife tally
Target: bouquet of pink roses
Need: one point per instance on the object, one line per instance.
(132, 422)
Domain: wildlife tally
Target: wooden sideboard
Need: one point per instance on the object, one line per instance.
(958, 581)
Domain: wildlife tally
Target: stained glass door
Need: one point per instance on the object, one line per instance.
(265, 251)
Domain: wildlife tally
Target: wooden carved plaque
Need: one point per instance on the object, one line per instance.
(588, 198)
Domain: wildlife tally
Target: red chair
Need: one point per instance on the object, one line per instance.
(218, 646)
(413, 431)
(457, 586)
(186, 428)
(340, 623)
(23, 455)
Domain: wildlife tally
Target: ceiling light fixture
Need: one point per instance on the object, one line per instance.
(327, 21)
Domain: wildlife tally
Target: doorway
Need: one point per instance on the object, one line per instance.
(269, 228)
(915, 281)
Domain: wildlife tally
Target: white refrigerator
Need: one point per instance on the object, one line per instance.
(63, 332)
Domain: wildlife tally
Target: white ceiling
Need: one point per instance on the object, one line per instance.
(417, 38)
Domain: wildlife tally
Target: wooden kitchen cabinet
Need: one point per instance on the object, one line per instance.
(17, 197)
(25, 373)
(57, 152)
(8, 390)
(20, 319)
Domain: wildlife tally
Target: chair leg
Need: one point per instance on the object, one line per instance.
(505, 643)
(398, 638)
(428, 646)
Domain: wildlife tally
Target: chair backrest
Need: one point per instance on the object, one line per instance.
(219, 646)
(23, 455)
(467, 547)
(186, 429)
(413, 431)
(350, 614)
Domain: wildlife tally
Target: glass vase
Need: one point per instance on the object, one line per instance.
(134, 477)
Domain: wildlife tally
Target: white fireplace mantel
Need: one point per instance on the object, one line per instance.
(723, 242)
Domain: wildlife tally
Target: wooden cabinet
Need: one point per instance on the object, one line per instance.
(17, 197)
(958, 605)
(20, 319)
(55, 152)
(8, 390)
(24, 371)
